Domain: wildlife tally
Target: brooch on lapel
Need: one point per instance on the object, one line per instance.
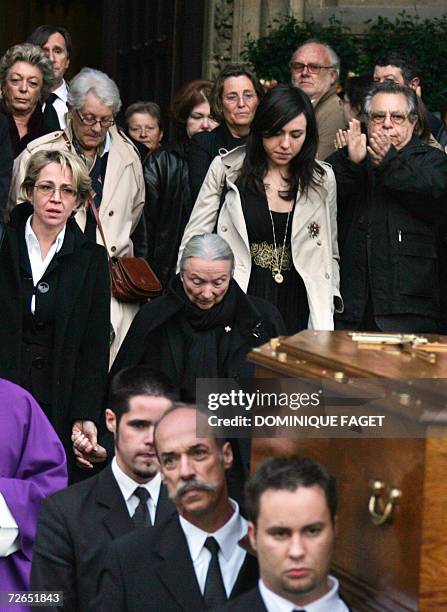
(313, 229)
(227, 328)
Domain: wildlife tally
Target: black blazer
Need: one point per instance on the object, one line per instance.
(75, 526)
(247, 602)
(81, 328)
(153, 571)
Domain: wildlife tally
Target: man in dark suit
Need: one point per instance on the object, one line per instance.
(195, 561)
(291, 504)
(76, 524)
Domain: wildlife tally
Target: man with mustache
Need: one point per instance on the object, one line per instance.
(291, 504)
(76, 525)
(194, 561)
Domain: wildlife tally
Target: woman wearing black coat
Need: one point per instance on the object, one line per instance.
(55, 296)
(166, 176)
(205, 324)
(234, 99)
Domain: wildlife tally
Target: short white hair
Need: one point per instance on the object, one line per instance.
(91, 81)
(333, 57)
(207, 246)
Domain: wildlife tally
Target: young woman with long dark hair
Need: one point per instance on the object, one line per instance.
(276, 207)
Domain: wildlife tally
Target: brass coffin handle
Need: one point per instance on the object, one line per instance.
(380, 509)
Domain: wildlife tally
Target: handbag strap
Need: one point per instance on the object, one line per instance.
(98, 222)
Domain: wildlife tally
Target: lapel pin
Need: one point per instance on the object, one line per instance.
(227, 328)
(313, 229)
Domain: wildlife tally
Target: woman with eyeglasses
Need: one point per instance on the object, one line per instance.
(55, 295)
(115, 171)
(26, 80)
(143, 125)
(275, 205)
(166, 176)
(234, 99)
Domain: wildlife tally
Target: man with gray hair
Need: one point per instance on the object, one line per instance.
(114, 167)
(315, 68)
(204, 325)
(391, 194)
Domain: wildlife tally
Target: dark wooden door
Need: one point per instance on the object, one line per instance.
(152, 47)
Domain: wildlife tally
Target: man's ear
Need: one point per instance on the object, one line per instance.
(111, 420)
(414, 83)
(227, 453)
(251, 532)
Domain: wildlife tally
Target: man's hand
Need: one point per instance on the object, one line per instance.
(356, 141)
(85, 447)
(378, 147)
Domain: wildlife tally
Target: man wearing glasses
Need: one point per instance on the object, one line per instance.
(114, 167)
(391, 195)
(315, 68)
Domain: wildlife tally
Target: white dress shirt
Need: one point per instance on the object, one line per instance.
(39, 265)
(330, 602)
(9, 530)
(127, 487)
(231, 555)
(60, 104)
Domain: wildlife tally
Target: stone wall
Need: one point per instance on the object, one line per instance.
(227, 22)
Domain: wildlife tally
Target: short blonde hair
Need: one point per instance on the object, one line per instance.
(33, 55)
(81, 180)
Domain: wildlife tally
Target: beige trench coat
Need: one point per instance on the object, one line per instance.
(120, 210)
(314, 257)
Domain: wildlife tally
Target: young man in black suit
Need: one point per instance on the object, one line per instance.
(195, 561)
(292, 508)
(76, 525)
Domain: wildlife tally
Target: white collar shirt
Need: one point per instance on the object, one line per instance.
(9, 530)
(330, 602)
(127, 487)
(39, 265)
(60, 104)
(231, 556)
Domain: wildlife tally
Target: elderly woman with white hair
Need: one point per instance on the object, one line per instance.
(204, 326)
(114, 168)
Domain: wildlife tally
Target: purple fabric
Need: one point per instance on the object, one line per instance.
(32, 466)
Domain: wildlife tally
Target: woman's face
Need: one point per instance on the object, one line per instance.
(53, 198)
(206, 281)
(23, 88)
(283, 146)
(145, 128)
(199, 120)
(239, 102)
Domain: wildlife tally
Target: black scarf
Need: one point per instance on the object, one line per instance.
(201, 338)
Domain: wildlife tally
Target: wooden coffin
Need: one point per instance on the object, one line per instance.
(402, 563)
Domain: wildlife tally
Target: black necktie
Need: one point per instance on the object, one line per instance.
(141, 518)
(214, 594)
(50, 116)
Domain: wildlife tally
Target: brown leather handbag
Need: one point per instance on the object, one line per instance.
(131, 278)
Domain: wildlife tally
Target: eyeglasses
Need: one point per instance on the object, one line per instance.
(247, 97)
(395, 118)
(48, 190)
(90, 120)
(312, 68)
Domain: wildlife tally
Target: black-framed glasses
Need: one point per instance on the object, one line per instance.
(66, 192)
(312, 68)
(90, 120)
(395, 118)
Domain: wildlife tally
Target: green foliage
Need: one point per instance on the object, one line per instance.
(425, 40)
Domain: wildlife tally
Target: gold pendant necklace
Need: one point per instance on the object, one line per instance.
(276, 270)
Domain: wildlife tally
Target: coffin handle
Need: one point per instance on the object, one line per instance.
(380, 508)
